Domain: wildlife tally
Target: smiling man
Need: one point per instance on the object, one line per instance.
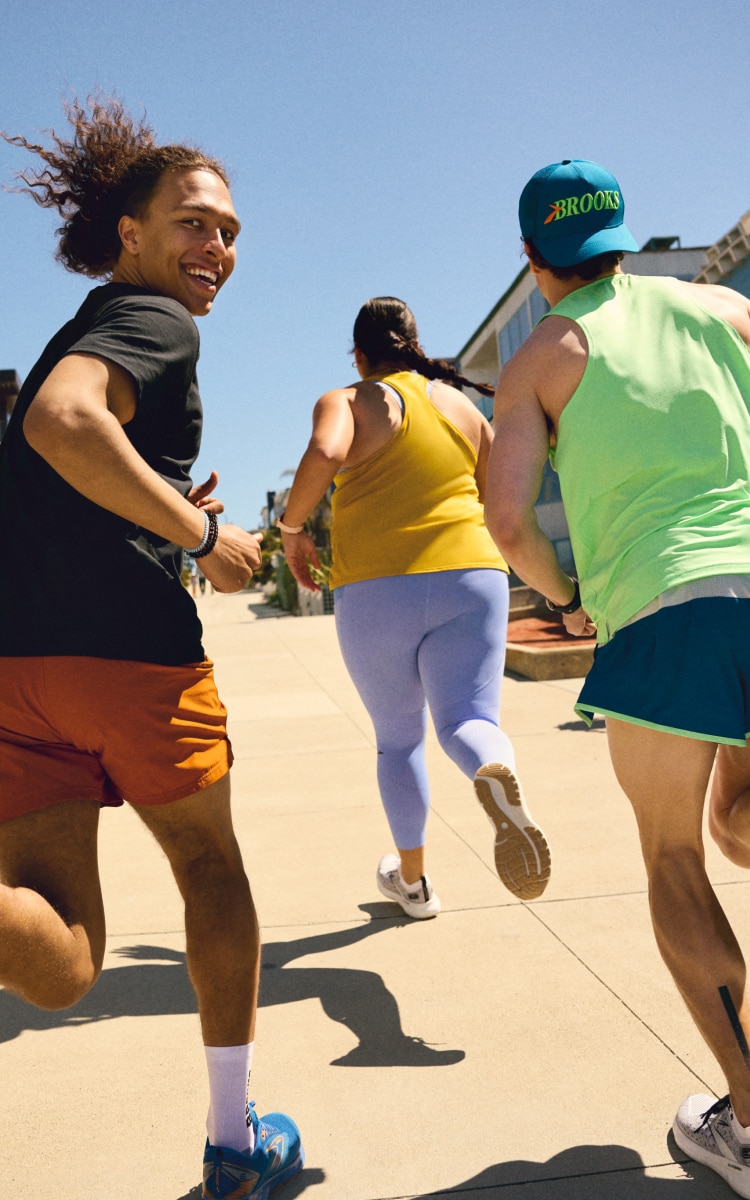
(107, 695)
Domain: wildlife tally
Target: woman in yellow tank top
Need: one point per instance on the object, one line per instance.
(421, 592)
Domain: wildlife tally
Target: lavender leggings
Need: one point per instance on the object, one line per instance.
(437, 640)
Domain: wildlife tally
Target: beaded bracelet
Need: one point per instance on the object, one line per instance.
(209, 539)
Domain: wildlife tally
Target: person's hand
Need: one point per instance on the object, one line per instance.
(233, 559)
(201, 496)
(298, 548)
(579, 623)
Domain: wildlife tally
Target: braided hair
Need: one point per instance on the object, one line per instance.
(110, 168)
(385, 331)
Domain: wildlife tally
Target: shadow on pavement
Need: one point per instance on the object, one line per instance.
(159, 986)
(613, 1172)
(262, 610)
(357, 999)
(598, 724)
(580, 1173)
(308, 1177)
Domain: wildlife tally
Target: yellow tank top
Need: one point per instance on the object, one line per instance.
(412, 507)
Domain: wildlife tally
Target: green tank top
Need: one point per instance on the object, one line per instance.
(653, 449)
(412, 507)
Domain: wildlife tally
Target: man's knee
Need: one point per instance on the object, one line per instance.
(63, 991)
(673, 864)
(214, 866)
(196, 833)
(731, 777)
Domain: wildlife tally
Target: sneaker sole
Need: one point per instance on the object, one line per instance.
(284, 1176)
(279, 1180)
(730, 1172)
(418, 912)
(522, 857)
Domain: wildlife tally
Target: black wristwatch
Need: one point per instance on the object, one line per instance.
(574, 605)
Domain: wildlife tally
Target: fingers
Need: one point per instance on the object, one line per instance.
(301, 572)
(300, 554)
(201, 490)
(579, 623)
(255, 556)
(212, 505)
(233, 560)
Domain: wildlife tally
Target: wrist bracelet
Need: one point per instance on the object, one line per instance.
(202, 542)
(288, 528)
(572, 606)
(209, 539)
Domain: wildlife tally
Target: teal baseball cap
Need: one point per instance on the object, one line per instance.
(573, 210)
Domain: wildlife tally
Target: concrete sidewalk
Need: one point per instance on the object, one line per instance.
(528, 1052)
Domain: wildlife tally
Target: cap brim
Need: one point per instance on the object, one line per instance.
(569, 251)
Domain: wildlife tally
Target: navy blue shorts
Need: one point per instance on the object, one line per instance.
(684, 670)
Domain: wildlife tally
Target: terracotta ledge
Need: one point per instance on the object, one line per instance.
(540, 648)
(550, 660)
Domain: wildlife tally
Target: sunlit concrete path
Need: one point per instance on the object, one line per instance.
(525, 1052)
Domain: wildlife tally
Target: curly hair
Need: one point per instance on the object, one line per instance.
(385, 331)
(110, 168)
(589, 269)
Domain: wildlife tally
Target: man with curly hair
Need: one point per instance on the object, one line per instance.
(107, 694)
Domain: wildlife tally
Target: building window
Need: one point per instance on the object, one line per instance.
(514, 333)
(485, 404)
(549, 493)
(518, 327)
(538, 306)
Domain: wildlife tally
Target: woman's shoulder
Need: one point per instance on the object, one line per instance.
(457, 407)
(338, 395)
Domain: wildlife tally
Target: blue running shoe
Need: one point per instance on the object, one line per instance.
(277, 1157)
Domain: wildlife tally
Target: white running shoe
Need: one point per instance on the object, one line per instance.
(522, 857)
(704, 1129)
(417, 899)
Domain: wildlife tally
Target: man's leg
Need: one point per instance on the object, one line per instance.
(223, 944)
(729, 812)
(52, 930)
(223, 947)
(665, 777)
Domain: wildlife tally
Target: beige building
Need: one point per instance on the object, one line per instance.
(728, 260)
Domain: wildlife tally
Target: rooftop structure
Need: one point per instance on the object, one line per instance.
(728, 260)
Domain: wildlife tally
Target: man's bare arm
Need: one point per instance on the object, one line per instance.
(725, 302)
(75, 424)
(514, 477)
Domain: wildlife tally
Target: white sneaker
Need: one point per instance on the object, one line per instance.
(522, 857)
(417, 899)
(704, 1129)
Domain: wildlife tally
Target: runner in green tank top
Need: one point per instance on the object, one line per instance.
(640, 390)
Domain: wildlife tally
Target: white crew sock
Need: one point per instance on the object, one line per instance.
(741, 1131)
(228, 1082)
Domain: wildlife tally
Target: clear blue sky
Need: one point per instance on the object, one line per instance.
(376, 147)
